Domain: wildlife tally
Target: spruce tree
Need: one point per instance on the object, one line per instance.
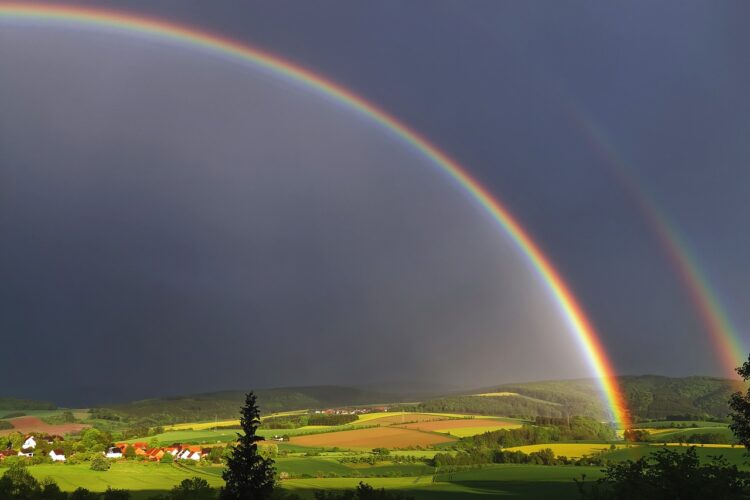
(248, 475)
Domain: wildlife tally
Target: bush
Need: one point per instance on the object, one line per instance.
(363, 492)
(168, 458)
(83, 494)
(111, 494)
(668, 475)
(192, 489)
(100, 463)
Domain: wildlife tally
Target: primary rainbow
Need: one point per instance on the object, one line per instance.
(166, 31)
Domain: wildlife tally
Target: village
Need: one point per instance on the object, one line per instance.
(32, 445)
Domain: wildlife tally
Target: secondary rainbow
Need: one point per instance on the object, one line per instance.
(724, 335)
(167, 31)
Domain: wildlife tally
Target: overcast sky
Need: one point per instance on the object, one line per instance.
(174, 222)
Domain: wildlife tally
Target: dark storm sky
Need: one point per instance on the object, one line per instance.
(173, 223)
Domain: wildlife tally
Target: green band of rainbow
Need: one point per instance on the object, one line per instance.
(587, 337)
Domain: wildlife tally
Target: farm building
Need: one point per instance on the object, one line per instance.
(29, 443)
(26, 452)
(173, 449)
(114, 452)
(57, 455)
(154, 454)
(190, 453)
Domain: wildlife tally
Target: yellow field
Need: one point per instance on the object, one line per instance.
(470, 431)
(496, 394)
(570, 450)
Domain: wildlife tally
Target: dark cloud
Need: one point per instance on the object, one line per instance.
(158, 205)
(162, 212)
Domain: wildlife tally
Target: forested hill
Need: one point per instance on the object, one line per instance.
(25, 404)
(648, 396)
(226, 404)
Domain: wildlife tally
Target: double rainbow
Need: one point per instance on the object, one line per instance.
(45, 14)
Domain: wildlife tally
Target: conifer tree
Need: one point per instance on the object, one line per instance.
(248, 475)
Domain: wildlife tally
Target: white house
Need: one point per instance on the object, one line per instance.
(26, 452)
(57, 455)
(29, 443)
(113, 452)
(189, 455)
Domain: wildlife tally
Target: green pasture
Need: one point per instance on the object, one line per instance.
(735, 456)
(674, 424)
(686, 433)
(514, 481)
(143, 479)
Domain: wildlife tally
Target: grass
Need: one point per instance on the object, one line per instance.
(675, 434)
(135, 476)
(735, 456)
(675, 424)
(513, 481)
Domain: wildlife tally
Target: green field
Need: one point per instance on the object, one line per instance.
(675, 434)
(515, 481)
(735, 456)
(143, 479)
(146, 479)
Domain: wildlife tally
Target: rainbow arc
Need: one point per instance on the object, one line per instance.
(158, 30)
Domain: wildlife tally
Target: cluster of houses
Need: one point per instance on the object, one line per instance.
(178, 451)
(352, 411)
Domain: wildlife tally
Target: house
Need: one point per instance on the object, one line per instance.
(26, 452)
(29, 443)
(190, 453)
(57, 455)
(140, 451)
(154, 454)
(113, 452)
(173, 449)
(140, 445)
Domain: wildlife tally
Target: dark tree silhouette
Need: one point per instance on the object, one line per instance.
(248, 475)
(740, 405)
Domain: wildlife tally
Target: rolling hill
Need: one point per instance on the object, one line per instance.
(226, 404)
(648, 396)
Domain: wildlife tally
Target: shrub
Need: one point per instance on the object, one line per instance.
(111, 494)
(100, 463)
(83, 494)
